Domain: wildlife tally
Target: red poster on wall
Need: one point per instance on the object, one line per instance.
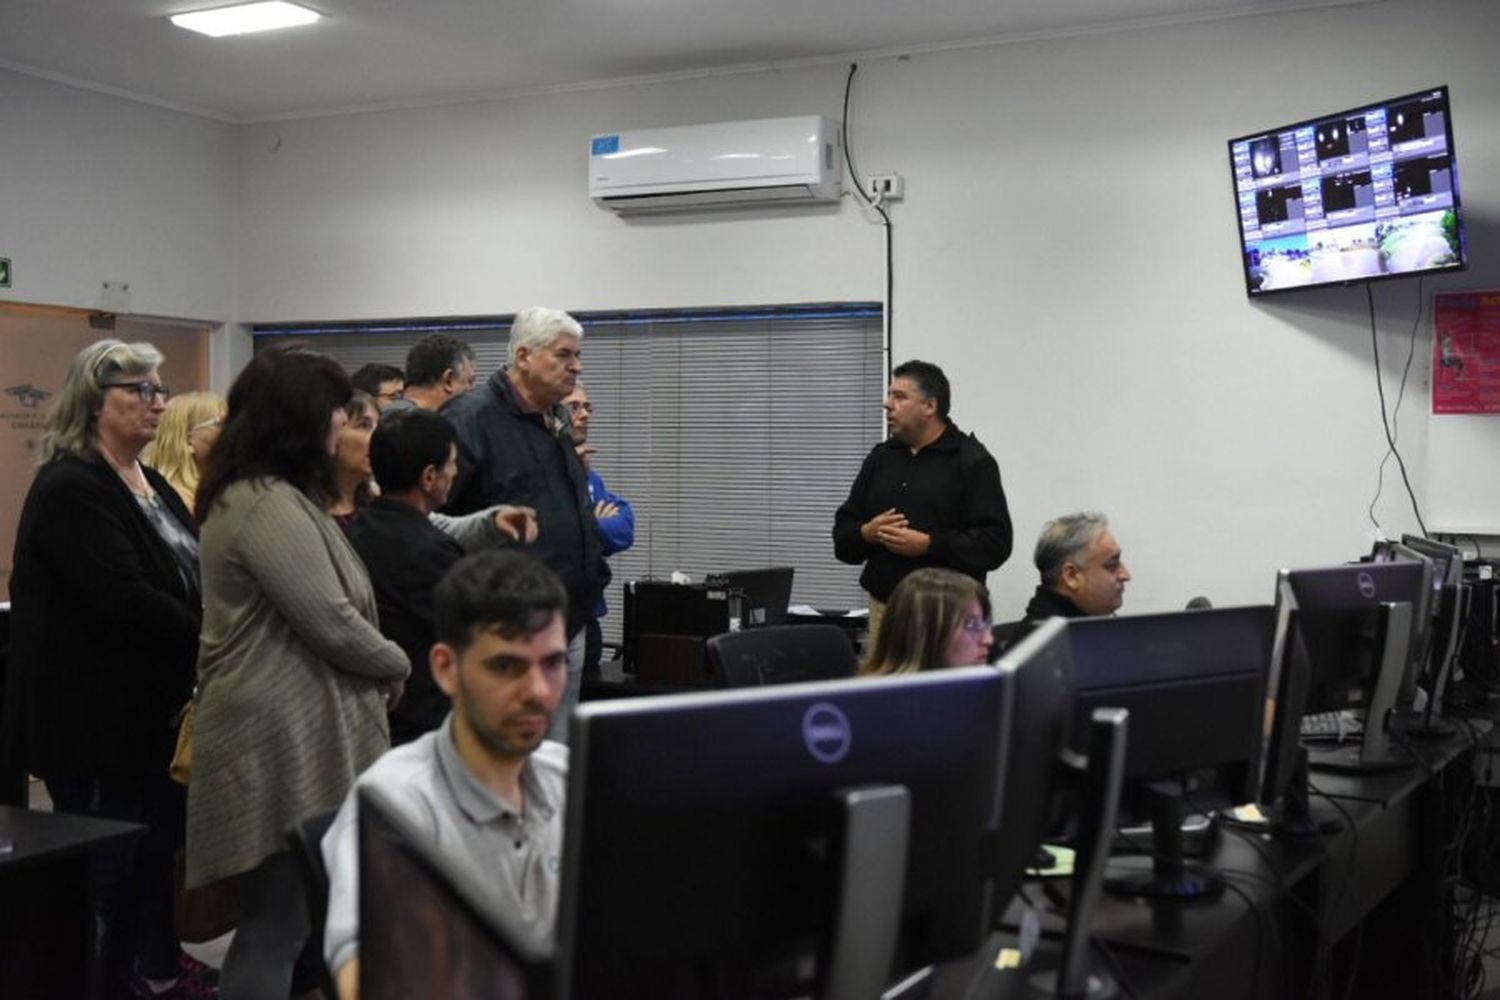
(1466, 352)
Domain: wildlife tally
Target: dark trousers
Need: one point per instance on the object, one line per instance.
(273, 932)
(132, 883)
(593, 645)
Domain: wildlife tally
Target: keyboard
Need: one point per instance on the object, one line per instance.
(1333, 727)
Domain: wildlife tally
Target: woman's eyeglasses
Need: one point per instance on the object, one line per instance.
(147, 391)
(977, 625)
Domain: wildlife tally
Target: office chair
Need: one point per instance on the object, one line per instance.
(1007, 634)
(306, 843)
(780, 654)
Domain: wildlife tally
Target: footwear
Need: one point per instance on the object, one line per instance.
(190, 968)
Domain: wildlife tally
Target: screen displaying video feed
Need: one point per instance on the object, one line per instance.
(1359, 195)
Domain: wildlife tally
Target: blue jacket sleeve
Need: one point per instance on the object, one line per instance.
(616, 534)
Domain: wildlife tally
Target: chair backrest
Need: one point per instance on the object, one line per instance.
(780, 654)
(1007, 634)
(306, 843)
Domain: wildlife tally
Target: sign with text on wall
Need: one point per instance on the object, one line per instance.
(1466, 352)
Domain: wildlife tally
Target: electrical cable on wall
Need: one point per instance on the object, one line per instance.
(1385, 419)
(885, 219)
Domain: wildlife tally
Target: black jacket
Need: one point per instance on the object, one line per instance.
(507, 455)
(1047, 603)
(950, 489)
(406, 557)
(104, 630)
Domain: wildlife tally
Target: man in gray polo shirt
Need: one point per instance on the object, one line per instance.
(487, 786)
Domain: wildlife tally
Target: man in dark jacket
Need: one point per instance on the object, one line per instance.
(414, 455)
(515, 447)
(929, 495)
(1082, 573)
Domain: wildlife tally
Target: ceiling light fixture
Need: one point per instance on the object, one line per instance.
(245, 18)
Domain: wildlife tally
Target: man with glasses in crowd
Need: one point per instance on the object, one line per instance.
(612, 511)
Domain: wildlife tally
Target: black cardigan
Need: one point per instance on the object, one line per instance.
(104, 632)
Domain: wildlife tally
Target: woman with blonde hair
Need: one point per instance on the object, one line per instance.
(187, 432)
(935, 618)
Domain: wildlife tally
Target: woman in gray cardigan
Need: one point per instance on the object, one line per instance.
(294, 676)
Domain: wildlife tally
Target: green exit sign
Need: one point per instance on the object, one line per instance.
(4, 272)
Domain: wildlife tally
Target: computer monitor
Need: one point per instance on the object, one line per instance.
(1194, 683)
(665, 625)
(1448, 613)
(424, 931)
(708, 834)
(1342, 640)
(1423, 606)
(1040, 669)
(1035, 765)
(757, 596)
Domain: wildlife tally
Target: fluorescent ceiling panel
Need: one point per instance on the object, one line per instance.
(245, 18)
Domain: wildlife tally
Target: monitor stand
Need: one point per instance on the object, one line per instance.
(1375, 752)
(1170, 877)
(1072, 978)
(1291, 816)
(872, 880)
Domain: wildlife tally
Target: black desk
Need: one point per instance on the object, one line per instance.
(46, 903)
(611, 681)
(1368, 886)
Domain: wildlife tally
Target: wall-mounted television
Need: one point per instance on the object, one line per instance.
(1359, 195)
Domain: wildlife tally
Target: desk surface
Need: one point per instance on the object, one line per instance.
(1213, 947)
(41, 836)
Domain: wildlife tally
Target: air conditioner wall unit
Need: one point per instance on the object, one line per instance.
(691, 167)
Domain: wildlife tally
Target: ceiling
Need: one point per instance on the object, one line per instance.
(392, 53)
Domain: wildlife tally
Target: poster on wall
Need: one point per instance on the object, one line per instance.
(1466, 352)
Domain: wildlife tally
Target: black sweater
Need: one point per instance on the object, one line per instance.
(104, 631)
(950, 490)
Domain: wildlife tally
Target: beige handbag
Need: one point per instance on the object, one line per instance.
(181, 767)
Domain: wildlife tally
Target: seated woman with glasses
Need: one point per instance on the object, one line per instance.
(935, 618)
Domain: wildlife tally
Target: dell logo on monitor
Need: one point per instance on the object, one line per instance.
(1366, 586)
(826, 731)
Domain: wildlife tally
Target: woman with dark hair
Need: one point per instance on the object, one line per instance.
(104, 635)
(935, 618)
(351, 457)
(293, 674)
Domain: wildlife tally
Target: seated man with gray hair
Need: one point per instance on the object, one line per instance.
(1082, 572)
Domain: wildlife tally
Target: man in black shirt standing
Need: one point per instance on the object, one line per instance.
(929, 495)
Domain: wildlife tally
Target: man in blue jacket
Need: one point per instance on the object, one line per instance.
(612, 511)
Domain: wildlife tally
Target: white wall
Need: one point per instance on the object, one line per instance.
(97, 189)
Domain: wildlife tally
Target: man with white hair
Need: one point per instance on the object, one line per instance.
(515, 447)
